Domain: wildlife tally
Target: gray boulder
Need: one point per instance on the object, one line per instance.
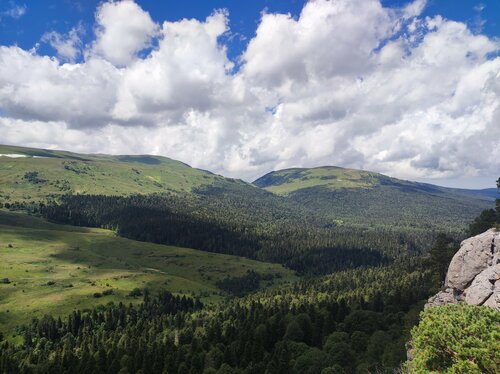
(474, 273)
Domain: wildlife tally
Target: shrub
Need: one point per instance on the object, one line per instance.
(456, 339)
(33, 177)
(136, 292)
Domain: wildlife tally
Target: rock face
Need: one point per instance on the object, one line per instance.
(474, 273)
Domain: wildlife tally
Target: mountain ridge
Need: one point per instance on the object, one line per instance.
(34, 175)
(289, 180)
(273, 181)
(332, 194)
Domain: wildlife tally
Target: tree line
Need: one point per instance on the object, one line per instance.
(264, 228)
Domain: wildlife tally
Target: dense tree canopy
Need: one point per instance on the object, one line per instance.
(487, 219)
(268, 229)
(345, 322)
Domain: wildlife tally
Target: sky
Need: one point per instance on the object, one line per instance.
(410, 89)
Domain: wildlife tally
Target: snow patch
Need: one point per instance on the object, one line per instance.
(12, 155)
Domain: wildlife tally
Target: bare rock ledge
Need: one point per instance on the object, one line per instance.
(474, 273)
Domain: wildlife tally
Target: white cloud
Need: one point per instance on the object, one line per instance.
(39, 88)
(347, 83)
(188, 71)
(414, 8)
(123, 28)
(69, 46)
(329, 39)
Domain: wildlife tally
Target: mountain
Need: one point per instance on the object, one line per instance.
(362, 197)
(284, 182)
(287, 181)
(311, 220)
(29, 174)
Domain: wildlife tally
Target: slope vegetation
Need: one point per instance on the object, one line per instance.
(366, 198)
(286, 181)
(51, 268)
(312, 220)
(28, 174)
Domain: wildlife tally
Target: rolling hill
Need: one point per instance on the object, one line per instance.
(363, 197)
(287, 181)
(284, 182)
(311, 220)
(28, 174)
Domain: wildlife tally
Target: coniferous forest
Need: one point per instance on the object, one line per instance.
(254, 224)
(354, 320)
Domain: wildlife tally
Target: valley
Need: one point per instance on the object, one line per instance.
(54, 269)
(323, 268)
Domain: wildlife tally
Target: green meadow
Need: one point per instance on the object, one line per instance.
(47, 268)
(42, 174)
(283, 182)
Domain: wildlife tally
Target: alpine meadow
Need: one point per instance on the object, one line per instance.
(265, 187)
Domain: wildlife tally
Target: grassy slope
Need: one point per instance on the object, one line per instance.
(285, 181)
(64, 172)
(94, 260)
(367, 198)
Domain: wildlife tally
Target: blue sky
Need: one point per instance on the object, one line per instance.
(62, 15)
(408, 88)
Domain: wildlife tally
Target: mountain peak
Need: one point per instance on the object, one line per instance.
(31, 174)
(286, 181)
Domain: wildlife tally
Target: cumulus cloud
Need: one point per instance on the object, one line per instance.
(69, 46)
(348, 83)
(122, 29)
(414, 8)
(188, 71)
(39, 88)
(329, 39)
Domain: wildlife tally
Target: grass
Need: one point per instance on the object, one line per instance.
(332, 178)
(60, 172)
(286, 181)
(57, 268)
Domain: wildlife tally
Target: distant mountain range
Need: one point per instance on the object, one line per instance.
(343, 196)
(363, 197)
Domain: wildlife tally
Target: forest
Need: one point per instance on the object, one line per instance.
(349, 321)
(263, 227)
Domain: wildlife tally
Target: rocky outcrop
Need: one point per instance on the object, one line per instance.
(474, 273)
